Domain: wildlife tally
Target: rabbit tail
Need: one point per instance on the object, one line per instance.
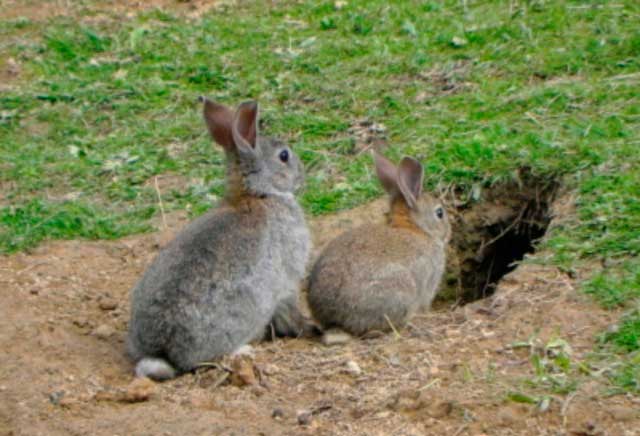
(155, 368)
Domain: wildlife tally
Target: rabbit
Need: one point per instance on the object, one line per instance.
(376, 276)
(233, 271)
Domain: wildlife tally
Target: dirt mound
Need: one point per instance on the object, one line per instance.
(452, 371)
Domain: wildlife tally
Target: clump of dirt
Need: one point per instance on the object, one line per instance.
(367, 135)
(491, 235)
(447, 79)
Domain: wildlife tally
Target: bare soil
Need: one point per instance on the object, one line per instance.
(64, 318)
(42, 10)
(63, 369)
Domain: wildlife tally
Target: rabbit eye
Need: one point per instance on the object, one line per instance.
(440, 213)
(284, 156)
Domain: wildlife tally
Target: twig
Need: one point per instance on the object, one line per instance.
(398, 336)
(220, 380)
(460, 429)
(164, 218)
(486, 283)
(428, 385)
(532, 118)
(624, 76)
(565, 407)
(507, 229)
(33, 265)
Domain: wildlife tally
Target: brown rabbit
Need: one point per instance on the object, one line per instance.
(376, 276)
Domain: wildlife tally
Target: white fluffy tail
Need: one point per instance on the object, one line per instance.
(335, 337)
(155, 368)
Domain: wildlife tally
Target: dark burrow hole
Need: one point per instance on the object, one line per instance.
(492, 233)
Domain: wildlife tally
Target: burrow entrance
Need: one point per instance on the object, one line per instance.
(492, 232)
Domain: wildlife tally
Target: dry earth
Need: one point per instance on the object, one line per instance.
(42, 10)
(63, 369)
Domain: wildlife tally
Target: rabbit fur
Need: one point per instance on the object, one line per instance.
(377, 276)
(234, 270)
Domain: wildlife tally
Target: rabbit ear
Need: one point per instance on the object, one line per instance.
(410, 174)
(218, 118)
(245, 126)
(387, 173)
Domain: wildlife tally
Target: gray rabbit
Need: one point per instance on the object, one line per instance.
(377, 276)
(234, 271)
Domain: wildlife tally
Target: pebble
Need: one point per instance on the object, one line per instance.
(277, 413)
(304, 417)
(413, 400)
(140, 389)
(440, 409)
(622, 413)
(108, 304)
(339, 5)
(353, 368)
(103, 331)
(270, 369)
(242, 372)
(55, 397)
(394, 360)
(67, 402)
(507, 417)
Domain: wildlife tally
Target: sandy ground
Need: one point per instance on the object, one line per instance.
(63, 368)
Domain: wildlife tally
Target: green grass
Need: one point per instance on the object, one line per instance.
(37, 220)
(477, 92)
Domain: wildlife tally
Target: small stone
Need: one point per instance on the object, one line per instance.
(107, 304)
(457, 41)
(13, 68)
(622, 413)
(588, 429)
(408, 400)
(394, 360)
(258, 390)
(421, 97)
(66, 402)
(242, 372)
(440, 409)
(304, 417)
(507, 417)
(140, 389)
(55, 397)
(270, 369)
(353, 368)
(34, 291)
(79, 322)
(358, 413)
(382, 414)
(277, 414)
(103, 331)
